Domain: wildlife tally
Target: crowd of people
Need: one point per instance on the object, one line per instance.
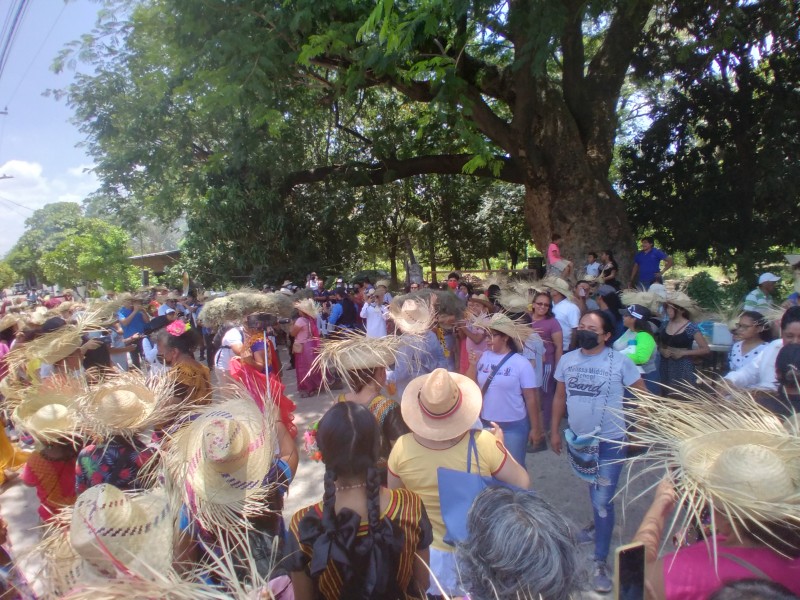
(157, 471)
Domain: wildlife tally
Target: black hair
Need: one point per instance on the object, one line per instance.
(787, 365)
(792, 315)
(648, 239)
(753, 589)
(610, 255)
(592, 254)
(555, 237)
(454, 275)
(608, 324)
(614, 304)
(8, 335)
(433, 285)
(349, 441)
(493, 292)
(185, 343)
(549, 299)
(761, 322)
(466, 285)
(52, 324)
(658, 279)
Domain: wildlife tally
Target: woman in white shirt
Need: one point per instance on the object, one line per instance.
(509, 385)
(752, 336)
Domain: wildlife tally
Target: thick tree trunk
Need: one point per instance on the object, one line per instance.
(566, 192)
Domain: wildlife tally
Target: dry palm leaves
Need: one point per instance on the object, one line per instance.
(236, 306)
(726, 453)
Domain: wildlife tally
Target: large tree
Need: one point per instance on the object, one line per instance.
(716, 172)
(524, 91)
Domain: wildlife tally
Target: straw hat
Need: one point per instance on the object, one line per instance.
(734, 456)
(792, 259)
(413, 316)
(8, 321)
(385, 283)
(516, 330)
(354, 351)
(125, 404)
(649, 299)
(556, 284)
(682, 300)
(481, 299)
(513, 300)
(110, 526)
(221, 460)
(38, 316)
(441, 405)
(47, 414)
(307, 307)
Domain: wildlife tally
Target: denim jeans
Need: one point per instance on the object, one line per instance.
(610, 463)
(515, 436)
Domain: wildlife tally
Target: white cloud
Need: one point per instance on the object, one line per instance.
(30, 188)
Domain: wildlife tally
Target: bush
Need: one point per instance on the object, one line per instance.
(705, 290)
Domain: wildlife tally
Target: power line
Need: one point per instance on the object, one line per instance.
(17, 203)
(10, 30)
(14, 209)
(36, 54)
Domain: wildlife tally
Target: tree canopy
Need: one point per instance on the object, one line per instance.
(62, 246)
(715, 174)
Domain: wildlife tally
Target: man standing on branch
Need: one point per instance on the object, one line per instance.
(647, 264)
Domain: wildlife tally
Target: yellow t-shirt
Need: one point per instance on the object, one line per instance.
(416, 466)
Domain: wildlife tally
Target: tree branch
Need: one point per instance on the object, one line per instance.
(574, 59)
(379, 173)
(605, 76)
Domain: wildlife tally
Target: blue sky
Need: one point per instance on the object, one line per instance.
(37, 141)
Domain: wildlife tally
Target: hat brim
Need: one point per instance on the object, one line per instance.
(450, 427)
(481, 300)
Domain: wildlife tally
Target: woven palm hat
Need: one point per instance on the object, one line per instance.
(648, 299)
(556, 284)
(38, 316)
(383, 283)
(355, 351)
(413, 315)
(125, 404)
(8, 321)
(481, 299)
(110, 526)
(441, 405)
(307, 307)
(55, 346)
(224, 455)
(732, 455)
(516, 330)
(48, 414)
(682, 300)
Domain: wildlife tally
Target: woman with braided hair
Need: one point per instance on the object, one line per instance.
(362, 540)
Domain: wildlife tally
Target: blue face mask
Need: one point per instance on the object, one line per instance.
(588, 340)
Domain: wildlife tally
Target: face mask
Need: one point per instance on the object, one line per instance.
(452, 284)
(588, 340)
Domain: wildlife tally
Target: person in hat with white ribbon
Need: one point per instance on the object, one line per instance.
(638, 343)
(441, 409)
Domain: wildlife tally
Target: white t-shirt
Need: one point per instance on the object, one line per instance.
(593, 269)
(595, 384)
(375, 317)
(224, 355)
(568, 316)
(503, 401)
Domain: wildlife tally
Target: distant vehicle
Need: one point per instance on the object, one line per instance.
(19, 288)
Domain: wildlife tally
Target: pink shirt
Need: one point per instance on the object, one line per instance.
(689, 574)
(305, 334)
(553, 254)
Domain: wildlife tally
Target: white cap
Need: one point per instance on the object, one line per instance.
(765, 277)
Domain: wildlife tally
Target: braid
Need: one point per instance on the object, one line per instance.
(329, 501)
(373, 500)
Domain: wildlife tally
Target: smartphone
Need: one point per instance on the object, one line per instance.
(629, 572)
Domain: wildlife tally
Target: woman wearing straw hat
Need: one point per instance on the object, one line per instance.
(509, 386)
(177, 343)
(231, 466)
(738, 461)
(50, 417)
(306, 344)
(116, 414)
(362, 362)
(591, 384)
(388, 557)
(441, 408)
(473, 339)
(677, 337)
